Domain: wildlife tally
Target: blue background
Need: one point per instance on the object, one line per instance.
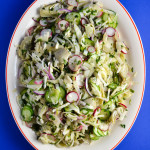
(11, 137)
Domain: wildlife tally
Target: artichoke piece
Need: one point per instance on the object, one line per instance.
(24, 47)
(50, 10)
(62, 55)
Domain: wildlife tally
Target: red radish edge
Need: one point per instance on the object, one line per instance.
(83, 19)
(78, 65)
(69, 3)
(100, 14)
(66, 25)
(123, 105)
(76, 79)
(100, 41)
(80, 128)
(92, 48)
(96, 110)
(86, 87)
(112, 32)
(70, 93)
(28, 125)
(38, 82)
(124, 51)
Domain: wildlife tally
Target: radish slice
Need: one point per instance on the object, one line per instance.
(99, 14)
(43, 23)
(75, 62)
(80, 80)
(80, 128)
(110, 31)
(31, 29)
(72, 97)
(39, 92)
(91, 49)
(123, 105)
(124, 51)
(83, 21)
(96, 111)
(46, 31)
(63, 24)
(73, 3)
(87, 87)
(38, 82)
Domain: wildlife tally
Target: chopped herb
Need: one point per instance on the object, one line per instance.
(131, 90)
(61, 25)
(79, 62)
(130, 101)
(65, 61)
(97, 59)
(52, 117)
(110, 55)
(123, 125)
(132, 69)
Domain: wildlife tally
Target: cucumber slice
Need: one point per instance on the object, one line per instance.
(89, 42)
(94, 137)
(27, 113)
(99, 133)
(52, 96)
(86, 111)
(107, 105)
(105, 17)
(105, 113)
(32, 82)
(73, 17)
(96, 132)
(112, 86)
(23, 92)
(62, 92)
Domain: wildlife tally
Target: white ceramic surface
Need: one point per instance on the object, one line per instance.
(135, 56)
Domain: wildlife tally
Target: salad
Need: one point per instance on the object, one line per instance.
(74, 75)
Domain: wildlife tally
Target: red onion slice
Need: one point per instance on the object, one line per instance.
(87, 87)
(39, 92)
(65, 10)
(31, 29)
